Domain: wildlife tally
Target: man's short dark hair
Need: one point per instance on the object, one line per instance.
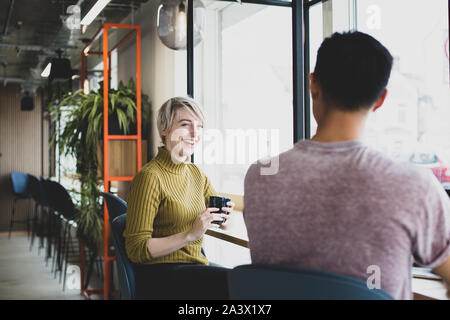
(352, 69)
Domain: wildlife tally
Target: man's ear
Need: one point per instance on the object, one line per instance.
(313, 86)
(380, 100)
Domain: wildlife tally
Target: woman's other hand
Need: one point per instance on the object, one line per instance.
(203, 222)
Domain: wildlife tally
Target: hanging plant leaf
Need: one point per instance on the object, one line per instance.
(123, 121)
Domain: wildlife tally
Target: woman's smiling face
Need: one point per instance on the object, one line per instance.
(184, 134)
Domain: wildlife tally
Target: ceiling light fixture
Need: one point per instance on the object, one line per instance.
(46, 71)
(60, 70)
(93, 13)
(172, 23)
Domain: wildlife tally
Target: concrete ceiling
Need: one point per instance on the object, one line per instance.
(32, 30)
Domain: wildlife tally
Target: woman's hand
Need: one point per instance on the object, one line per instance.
(159, 247)
(228, 210)
(203, 222)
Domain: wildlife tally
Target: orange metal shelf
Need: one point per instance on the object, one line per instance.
(120, 178)
(136, 30)
(121, 137)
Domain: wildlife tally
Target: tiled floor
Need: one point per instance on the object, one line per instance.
(24, 275)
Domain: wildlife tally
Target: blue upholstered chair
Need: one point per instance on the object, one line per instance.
(117, 209)
(116, 206)
(19, 181)
(124, 269)
(266, 282)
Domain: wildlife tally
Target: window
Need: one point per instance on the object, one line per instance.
(415, 114)
(243, 80)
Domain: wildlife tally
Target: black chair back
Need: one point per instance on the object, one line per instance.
(264, 282)
(116, 206)
(59, 199)
(35, 189)
(124, 268)
(43, 194)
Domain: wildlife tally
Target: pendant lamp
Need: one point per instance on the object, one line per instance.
(172, 23)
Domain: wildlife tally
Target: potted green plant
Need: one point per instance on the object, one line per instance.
(80, 137)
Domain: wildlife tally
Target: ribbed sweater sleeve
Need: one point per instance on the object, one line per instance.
(209, 191)
(143, 201)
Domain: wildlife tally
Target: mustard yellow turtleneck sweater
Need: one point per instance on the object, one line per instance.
(165, 199)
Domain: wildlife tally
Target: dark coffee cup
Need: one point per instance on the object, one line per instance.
(218, 202)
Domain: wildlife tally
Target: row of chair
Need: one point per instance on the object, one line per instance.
(52, 220)
(250, 282)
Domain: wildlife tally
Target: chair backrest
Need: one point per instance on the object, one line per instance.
(264, 282)
(19, 182)
(43, 191)
(116, 206)
(59, 199)
(35, 189)
(124, 269)
(47, 189)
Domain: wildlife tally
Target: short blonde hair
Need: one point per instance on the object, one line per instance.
(168, 110)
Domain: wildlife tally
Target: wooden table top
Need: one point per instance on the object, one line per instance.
(234, 230)
(428, 289)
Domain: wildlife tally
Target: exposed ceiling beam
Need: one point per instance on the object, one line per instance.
(21, 80)
(32, 47)
(8, 19)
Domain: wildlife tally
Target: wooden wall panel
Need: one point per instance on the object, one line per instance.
(122, 157)
(20, 147)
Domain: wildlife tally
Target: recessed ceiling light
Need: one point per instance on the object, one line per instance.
(93, 13)
(46, 71)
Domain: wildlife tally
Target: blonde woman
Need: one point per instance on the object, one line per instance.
(168, 215)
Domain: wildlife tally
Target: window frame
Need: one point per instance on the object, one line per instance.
(299, 114)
